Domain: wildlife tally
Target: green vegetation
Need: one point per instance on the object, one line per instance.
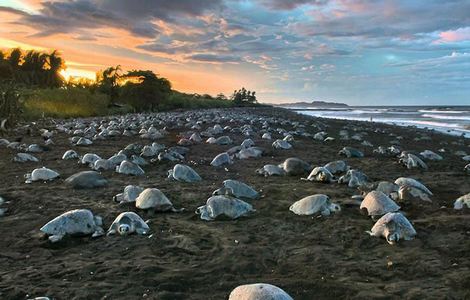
(31, 86)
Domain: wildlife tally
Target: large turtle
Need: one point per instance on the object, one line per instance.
(462, 201)
(78, 222)
(411, 189)
(183, 173)
(393, 226)
(130, 194)
(313, 204)
(271, 170)
(337, 167)
(153, 199)
(86, 180)
(129, 168)
(41, 174)
(321, 174)
(127, 223)
(258, 291)
(295, 166)
(224, 207)
(237, 189)
(221, 159)
(377, 203)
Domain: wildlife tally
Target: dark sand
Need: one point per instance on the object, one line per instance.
(187, 258)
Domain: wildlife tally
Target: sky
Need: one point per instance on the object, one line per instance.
(359, 52)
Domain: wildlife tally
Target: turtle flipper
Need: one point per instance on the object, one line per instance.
(56, 238)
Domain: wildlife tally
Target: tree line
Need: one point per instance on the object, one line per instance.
(143, 90)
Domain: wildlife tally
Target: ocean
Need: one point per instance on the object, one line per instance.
(454, 120)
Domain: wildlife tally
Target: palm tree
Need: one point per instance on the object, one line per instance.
(56, 64)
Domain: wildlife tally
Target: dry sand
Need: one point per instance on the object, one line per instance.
(187, 258)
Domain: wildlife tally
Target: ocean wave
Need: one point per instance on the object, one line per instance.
(445, 117)
(440, 111)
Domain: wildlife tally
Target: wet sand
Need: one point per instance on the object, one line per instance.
(187, 258)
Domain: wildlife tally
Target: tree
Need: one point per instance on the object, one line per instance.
(243, 97)
(144, 90)
(108, 82)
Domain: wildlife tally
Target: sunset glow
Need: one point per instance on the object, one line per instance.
(354, 51)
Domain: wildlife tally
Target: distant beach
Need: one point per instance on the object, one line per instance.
(454, 120)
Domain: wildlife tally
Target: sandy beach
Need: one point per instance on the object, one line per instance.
(310, 257)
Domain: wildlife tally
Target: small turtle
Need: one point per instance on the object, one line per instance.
(223, 140)
(320, 174)
(237, 189)
(222, 206)
(86, 180)
(127, 223)
(78, 222)
(258, 291)
(129, 168)
(467, 169)
(130, 194)
(24, 157)
(351, 152)
(462, 201)
(195, 138)
(271, 170)
(430, 155)
(295, 166)
(221, 159)
(337, 167)
(103, 164)
(252, 152)
(84, 142)
(281, 144)
(154, 200)
(411, 189)
(313, 204)
(247, 143)
(377, 204)
(353, 178)
(70, 154)
(41, 174)
(393, 226)
(266, 136)
(183, 173)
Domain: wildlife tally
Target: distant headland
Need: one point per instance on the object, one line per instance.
(315, 104)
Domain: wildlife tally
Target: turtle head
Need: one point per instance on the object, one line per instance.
(124, 229)
(334, 207)
(393, 238)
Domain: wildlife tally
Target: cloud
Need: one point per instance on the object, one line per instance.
(213, 58)
(290, 4)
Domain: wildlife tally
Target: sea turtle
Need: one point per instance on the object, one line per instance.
(70, 154)
(74, 222)
(24, 157)
(337, 167)
(410, 161)
(353, 178)
(247, 143)
(388, 188)
(313, 204)
(153, 199)
(462, 201)
(252, 152)
(467, 169)
(351, 152)
(320, 174)
(281, 144)
(183, 173)
(377, 203)
(170, 156)
(130, 194)
(86, 180)
(266, 136)
(258, 291)
(222, 206)
(127, 223)
(103, 164)
(84, 142)
(295, 166)
(35, 148)
(237, 189)
(430, 155)
(412, 189)
(195, 138)
(271, 170)
(221, 159)
(117, 159)
(89, 159)
(41, 174)
(129, 168)
(223, 140)
(393, 226)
